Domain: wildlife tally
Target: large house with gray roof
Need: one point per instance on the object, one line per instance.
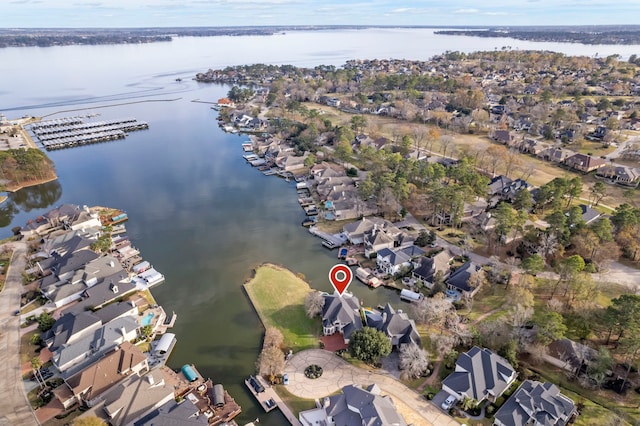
(355, 406)
(396, 325)
(74, 273)
(70, 328)
(461, 279)
(427, 267)
(536, 403)
(341, 314)
(480, 374)
(72, 357)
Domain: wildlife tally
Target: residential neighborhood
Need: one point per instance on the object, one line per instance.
(491, 190)
(98, 341)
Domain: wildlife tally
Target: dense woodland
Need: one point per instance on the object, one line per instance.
(23, 166)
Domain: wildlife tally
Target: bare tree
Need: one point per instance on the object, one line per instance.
(414, 360)
(272, 337)
(313, 304)
(442, 343)
(270, 361)
(433, 310)
(445, 143)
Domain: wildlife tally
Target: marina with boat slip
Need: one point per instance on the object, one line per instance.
(74, 131)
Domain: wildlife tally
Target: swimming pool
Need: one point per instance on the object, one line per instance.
(147, 319)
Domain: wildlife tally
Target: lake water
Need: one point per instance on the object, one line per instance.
(197, 212)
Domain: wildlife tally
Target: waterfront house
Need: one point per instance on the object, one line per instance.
(341, 314)
(376, 240)
(74, 273)
(325, 169)
(396, 325)
(479, 374)
(73, 357)
(536, 403)
(87, 385)
(132, 399)
(226, 103)
(391, 262)
(355, 232)
(462, 279)
(69, 328)
(292, 162)
(427, 267)
(355, 406)
(107, 290)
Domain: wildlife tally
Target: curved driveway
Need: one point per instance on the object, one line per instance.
(14, 407)
(338, 373)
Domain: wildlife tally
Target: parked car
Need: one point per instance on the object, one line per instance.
(448, 403)
(270, 403)
(285, 379)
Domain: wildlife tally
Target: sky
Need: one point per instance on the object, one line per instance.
(187, 13)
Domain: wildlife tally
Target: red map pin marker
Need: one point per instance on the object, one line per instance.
(340, 277)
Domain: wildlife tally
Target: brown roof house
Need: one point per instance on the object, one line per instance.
(86, 386)
(584, 163)
(132, 399)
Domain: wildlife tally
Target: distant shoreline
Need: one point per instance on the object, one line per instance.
(47, 37)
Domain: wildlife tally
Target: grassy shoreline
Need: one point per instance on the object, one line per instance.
(277, 295)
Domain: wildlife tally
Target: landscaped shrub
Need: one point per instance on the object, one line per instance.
(313, 371)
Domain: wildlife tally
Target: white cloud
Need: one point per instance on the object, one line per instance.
(466, 11)
(403, 10)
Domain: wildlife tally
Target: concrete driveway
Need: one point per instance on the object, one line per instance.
(338, 373)
(14, 407)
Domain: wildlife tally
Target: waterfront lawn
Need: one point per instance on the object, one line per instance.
(277, 295)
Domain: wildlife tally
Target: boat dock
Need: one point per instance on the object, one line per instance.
(328, 240)
(269, 399)
(73, 131)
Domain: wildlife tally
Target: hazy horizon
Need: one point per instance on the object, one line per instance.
(213, 13)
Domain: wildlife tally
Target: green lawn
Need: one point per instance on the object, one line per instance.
(278, 297)
(295, 403)
(489, 298)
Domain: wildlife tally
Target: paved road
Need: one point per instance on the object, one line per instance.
(14, 407)
(338, 373)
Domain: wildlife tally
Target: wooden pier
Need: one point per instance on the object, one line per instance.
(269, 399)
